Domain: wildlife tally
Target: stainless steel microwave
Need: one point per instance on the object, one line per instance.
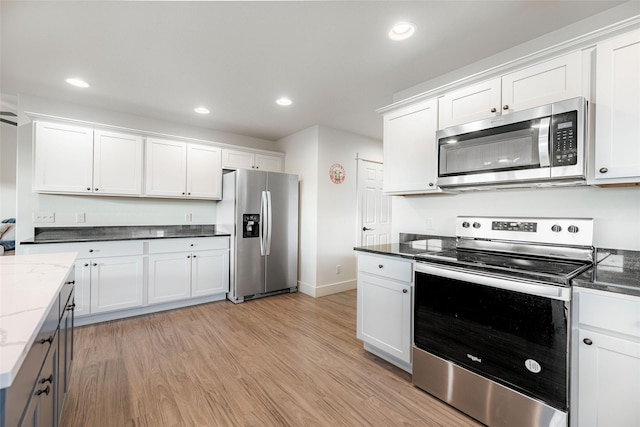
(541, 146)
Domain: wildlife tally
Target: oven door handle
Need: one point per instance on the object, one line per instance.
(531, 288)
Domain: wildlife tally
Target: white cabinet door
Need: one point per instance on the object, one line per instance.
(268, 163)
(410, 154)
(204, 172)
(470, 103)
(117, 163)
(116, 283)
(82, 288)
(544, 83)
(617, 106)
(63, 158)
(233, 159)
(209, 272)
(169, 277)
(608, 381)
(384, 315)
(166, 168)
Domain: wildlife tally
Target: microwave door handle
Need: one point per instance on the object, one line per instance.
(543, 141)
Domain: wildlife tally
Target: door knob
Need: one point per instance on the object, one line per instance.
(367, 229)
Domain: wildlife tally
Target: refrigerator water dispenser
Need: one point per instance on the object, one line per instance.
(250, 225)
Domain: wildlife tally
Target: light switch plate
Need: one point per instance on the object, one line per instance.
(41, 217)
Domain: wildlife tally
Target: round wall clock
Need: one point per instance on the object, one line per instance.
(336, 173)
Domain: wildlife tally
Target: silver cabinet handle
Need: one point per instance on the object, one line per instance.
(367, 229)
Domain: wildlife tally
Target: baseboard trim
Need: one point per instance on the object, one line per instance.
(324, 290)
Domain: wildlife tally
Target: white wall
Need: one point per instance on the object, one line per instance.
(102, 210)
(616, 211)
(328, 210)
(302, 150)
(8, 144)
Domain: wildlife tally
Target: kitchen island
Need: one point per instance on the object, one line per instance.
(36, 334)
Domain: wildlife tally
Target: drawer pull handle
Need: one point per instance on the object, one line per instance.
(48, 340)
(73, 282)
(71, 307)
(47, 380)
(45, 391)
(380, 266)
(587, 341)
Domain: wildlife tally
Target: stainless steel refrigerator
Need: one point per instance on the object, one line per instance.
(260, 211)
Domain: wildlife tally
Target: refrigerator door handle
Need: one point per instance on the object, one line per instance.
(262, 232)
(269, 224)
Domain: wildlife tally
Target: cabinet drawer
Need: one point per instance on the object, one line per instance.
(90, 249)
(385, 266)
(188, 245)
(621, 315)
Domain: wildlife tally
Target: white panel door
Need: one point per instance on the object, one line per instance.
(608, 381)
(204, 172)
(469, 104)
(374, 207)
(617, 153)
(116, 283)
(268, 163)
(384, 315)
(63, 158)
(544, 83)
(117, 160)
(169, 277)
(166, 168)
(209, 272)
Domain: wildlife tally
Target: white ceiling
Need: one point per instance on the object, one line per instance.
(333, 59)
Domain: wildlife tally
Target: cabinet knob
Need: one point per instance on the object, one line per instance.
(188, 194)
(431, 184)
(191, 244)
(73, 282)
(494, 109)
(45, 391)
(90, 250)
(603, 170)
(380, 266)
(71, 307)
(183, 194)
(48, 340)
(194, 256)
(96, 189)
(404, 291)
(587, 341)
(188, 256)
(88, 188)
(505, 107)
(86, 265)
(46, 380)
(95, 264)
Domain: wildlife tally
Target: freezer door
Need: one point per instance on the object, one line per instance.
(250, 265)
(282, 261)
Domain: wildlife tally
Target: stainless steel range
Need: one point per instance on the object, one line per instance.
(491, 318)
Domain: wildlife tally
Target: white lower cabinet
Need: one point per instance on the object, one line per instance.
(200, 268)
(116, 283)
(384, 307)
(608, 358)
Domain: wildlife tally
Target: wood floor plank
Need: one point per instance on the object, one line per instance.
(286, 360)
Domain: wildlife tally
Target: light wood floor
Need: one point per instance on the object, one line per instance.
(287, 360)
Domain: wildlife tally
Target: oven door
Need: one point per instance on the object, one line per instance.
(509, 331)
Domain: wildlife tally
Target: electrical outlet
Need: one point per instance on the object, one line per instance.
(41, 217)
(429, 223)
(338, 269)
(80, 217)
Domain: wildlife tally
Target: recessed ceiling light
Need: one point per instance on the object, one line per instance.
(402, 31)
(283, 101)
(201, 110)
(77, 82)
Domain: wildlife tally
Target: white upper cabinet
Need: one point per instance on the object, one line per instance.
(117, 163)
(179, 169)
(409, 145)
(544, 83)
(73, 159)
(617, 110)
(236, 159)
(63, 158)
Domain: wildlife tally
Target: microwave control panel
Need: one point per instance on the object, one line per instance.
(564, 134)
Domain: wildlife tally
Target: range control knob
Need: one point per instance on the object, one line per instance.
(556, 228)
(476, 225)
(466, 224)
(573, 229)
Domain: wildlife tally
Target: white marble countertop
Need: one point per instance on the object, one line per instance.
(29, 286)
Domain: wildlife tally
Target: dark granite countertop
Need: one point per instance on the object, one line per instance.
(616, 271)
(411, 245)
(112, 233)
